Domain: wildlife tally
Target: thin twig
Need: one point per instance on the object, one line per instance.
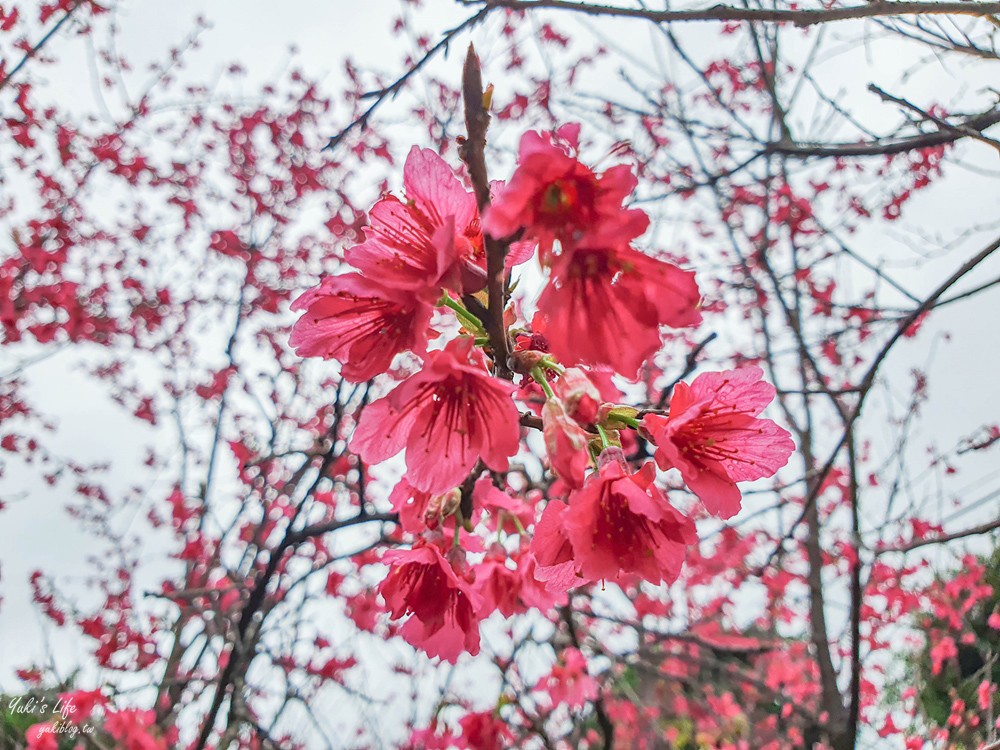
(984, 528)
(864, 388)
(774, 15)
(689, 365)
(34, 50)
(396, 86)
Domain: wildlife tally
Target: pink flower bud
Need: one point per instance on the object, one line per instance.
(581, 397)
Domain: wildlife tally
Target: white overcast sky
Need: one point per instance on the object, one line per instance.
(35, 532)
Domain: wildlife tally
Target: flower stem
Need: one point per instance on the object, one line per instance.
(605, 443)
(550, 364)
(539, 375)
(630, 421)
(467, 319)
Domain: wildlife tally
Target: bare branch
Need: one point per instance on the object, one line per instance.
(869, 380)
(37, 47)
(984, 528)
(396, 86)
(970, 127)
(774, 15)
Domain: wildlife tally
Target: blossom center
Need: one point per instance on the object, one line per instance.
(559, 197)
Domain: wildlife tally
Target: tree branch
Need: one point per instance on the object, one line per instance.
(473, 152)
(720, 12)
(689, 365)
(39, 44)
(984, 528)
(948, 133)
(864, 388)
(396, 86)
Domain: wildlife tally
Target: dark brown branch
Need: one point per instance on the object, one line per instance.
(948, 133)
(984, 528)
(530, 420)
(603, 721)
(857, 600)
(255, 602)
(940, 122)
(34, 50)
(689, 364)
(473, 152)
(864, 388)
(720, 12)
(396, 86)
(318, 529)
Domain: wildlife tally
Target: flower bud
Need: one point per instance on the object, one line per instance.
(441, 507)
(581, 397)
(610, 415)
(524, 361)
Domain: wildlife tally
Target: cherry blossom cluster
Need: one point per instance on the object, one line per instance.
(458, 423)
(78, 714)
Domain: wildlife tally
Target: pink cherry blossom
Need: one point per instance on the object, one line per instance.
(579, 394)
(604, 305)
(555, 565)
(444, 607)
(553, 196)
(430, 241)
(134, 730)
(41, 736)
(621, 524)
(569, 682)
(361, 323)
(507, 583)
(507, 510)
(484, 730)
(566, 443)
(447, 416)
(714, 437)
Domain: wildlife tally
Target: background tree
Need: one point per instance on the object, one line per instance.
(155, 241)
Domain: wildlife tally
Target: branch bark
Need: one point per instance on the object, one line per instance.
(865, 386)
(947, 133)
(37, 47)
(984, 528)
(720, 12)
(473, 153)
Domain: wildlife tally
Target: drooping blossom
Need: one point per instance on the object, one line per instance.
(537, 594)
(604, 305)
(419, 511)
(566, 443)
(430, 241)
(361, 323)
(714, 437)
(506, 511)
(411, 505)
(507, 583)
(498, 584)
(555, 564)
(447, 416)
(134, 729)
(553, 196)
(621, 524)
(569, 682)
(443, 606)
(484, 730)
(579, 394)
